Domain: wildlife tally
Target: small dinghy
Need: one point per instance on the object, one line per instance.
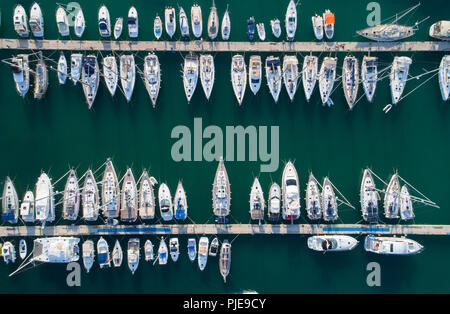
(133, 23)
(226, 25)
(162, 252)
(184, 23)
(255, 73)
(22, 248)
(157, 27)
(88, 254)
(165, 202)
(117, 254)
(133, 254)
(110, 74)
(312, 199)
(62, 69)
(261, 31)
(317, 23)
(170, 21)
(180, 203)
(309, 75)
(79, 24)
(192, 249)
(274, 202)
(203, 252)
(148, 250)
(276, 27)
(118, 27)
(332, 243)
(196, 20)
(207, 74)
(174, 248)
(257, 203)
(214, 248)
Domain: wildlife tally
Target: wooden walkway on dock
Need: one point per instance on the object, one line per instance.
(229, 229)
(223, 46)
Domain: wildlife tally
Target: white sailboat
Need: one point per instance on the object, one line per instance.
(162, 252)
(62, 69)
(399, 77)
(88, 252)
(79, 24)
(190, 75)
(350, 80)
(110, 74)
(133, 23)
(207, 74)
(276, 27)
(129, 198)
(238, 77)
(317, 23)
(225, 259)
(312, 199)
(118, 27)
(45, 200)
(22, 248)
(103, 255)
(127, 75)
(273, 76)
(174, 249)
(165, 202)
(76, 62)
(71, 197)
(309, 75)
(21, 73)
(146, 197)
(440, 30)
(203, 244)
(148, 251)
(290, 75)
(91, 78)
(170, 21)
(391, 245)
(117, 254)
(40, 79)
(290, 193)
(213, 22)
(406, 206)
(110, 192)
(180, 206)
(157, 27)
(90, 197)
(332, 243)
(221, 194)
(274, 202)
(291, 20)
(226, 25)
(328, 23)
(369, 76)
(255, 73)
(257, 203)
(369, 198)
(10, 202)
(104, 22)
(196, 20)
(20, 19)
(184, 23)
(27, 207)
(329, 201)
(444, 77)
(327, 76)
(62, 21)
(133, 254)
(36, 20)
(392, 198)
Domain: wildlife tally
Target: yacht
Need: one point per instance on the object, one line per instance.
(369, 76)
(71, 198)
(146, 197)
(309, 75)
(290, 75)
(251, 28)
(62, 21)
(192, 249)
(214, 247)
(174, 249)
(118, 27)
(350, 80)
(62, 69)
(332, 243)
(21, 21)
(213, 22)
(317, 23)
(203, 244)
(170, 21)
(196, 20)
(40, 79)
(148, 251)
(327, 76)
(329, 201)
(88, 254)
(162, 252)
(165, 202)
(391, 245)
(369, 198)
(226, 25)
(273, 76)
(255, 73)
(291, 20)
(312, 199)
(276, 27)
(190, 75)
(184, 23)
(133, 254)
(444, 77)
(180, 202)
(110, 192)
(406, 206)
(90, 197)
(157, 27)
(22, 248)
(328, 23)
(36, 20)
(56, 250)
(238, 77)
(104, 22)
(257, 203)
(399, 77)
(10, 202)
(440, 30)
(207, 73)
(129, 198)
(225, 259)
(104, 259)
(91, 78)
(21, 73)
(110, 73)
(117, 254)
(274, 202)
(8, 252)
(290, 189)
(79, 24)
(27, 207)
(392, 198)
(127, 75)
(221, 194)
(133, 23)
(76, 61)
(45, 200)
(261, 31)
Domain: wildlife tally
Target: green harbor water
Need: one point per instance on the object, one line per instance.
(59, 132)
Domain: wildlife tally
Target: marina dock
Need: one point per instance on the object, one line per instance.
(229, 229)
(223, 46)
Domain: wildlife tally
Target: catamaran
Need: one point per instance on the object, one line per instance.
(45, 200)
(104, 22)
(290, 75)
(251, 28)
(21, 21)
(56, 250)
(21, 73)
(76, 62)
(440, 30)
(261, 31)
(312, 199)
(317, 23)
(207, 73)
(369, 198)
(110, 74)
(369, 76)
(329, 201)
(214, 247)
(192, 249)
(133, 254)
(255, 73)
(157, 27)
(10, 202)
(62, 69)
(148, 251)
(104, 259)
(226, 25)
(174, 249)
(406, 207)
(391, 245)
(257, 203)
(225, 259)
(273, 76)
(90, 77)
(71, 198)
(184, 23)
(90, 197)
(162, 252)
(8, 252)
(328, 23)
(221, 194)
(180, 202)
(133, 23)
(27, 207)
(170, 22)
(274, 202)
(36, 20)
(444, 77)
(62, 21)
(190, 75)
(392, 198)
(22, 248)
(79, 24)
(350, 80)
(276, 27)
(309, 75)
(196, 20)
(327, 76)
(118, 27)
(88, 254)
(40, 78)
(238, 77)
(213, 22)
(146, 197)
(332, 243)
(290, 20)
(110, 192)
(203, 244)
(399, 77)
(290, 192)
(129, 198)
(117, 254)
(127, 75)
(165, 202)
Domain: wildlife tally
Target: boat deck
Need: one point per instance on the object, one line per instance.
(222, 46)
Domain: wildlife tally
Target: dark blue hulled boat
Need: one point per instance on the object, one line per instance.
(251, 28)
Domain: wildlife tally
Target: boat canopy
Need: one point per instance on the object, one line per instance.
(329, 18)
(102, 25)
(102, 258)
(274, 63)
(131, 20)
(89, 65)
